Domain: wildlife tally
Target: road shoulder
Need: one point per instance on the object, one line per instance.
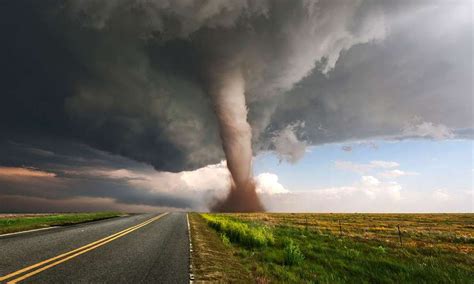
(213, 261)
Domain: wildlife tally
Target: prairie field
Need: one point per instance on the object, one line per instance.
(10, 223)
(447, 231)
(347, 248)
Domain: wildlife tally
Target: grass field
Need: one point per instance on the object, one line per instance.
(214, 261)
(350, 248)
(21, 223)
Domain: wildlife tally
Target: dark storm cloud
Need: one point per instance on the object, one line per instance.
(417, 82)
(101, 83)
(75, 171)
(41, 76)
(127, 76)
(94, 188)
(54, 153)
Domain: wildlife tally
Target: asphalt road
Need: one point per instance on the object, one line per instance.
(157, 252)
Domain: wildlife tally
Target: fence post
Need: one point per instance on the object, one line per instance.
(306, 222)
(400, 235)
(340, 228)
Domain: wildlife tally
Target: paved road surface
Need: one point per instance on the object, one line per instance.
(157, 252)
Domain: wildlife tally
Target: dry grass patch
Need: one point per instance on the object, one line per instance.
(442, 231)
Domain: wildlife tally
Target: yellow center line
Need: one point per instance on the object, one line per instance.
(75, 252)
(70, 252)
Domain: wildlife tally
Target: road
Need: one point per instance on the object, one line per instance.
(155, 251)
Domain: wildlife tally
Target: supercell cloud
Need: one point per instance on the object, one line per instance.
(180, 85)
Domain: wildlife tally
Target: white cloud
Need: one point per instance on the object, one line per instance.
(204, 184)
(370, 181)
(373, 188)
(370, 195)
(118, 174)
(363, 168)
(383, 169)
(441, 195)
(211, 177)
(396, 173)
(384, 164)
(267, 183)
(367, 195)
(214, 177)
(353, 167)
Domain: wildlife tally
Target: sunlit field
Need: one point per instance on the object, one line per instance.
(332, 248)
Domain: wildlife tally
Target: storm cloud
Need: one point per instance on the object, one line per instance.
(123, 84)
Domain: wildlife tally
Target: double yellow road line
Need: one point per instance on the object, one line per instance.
(51, 262)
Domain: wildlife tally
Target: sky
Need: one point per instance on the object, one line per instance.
(387, 176)
(360, 106)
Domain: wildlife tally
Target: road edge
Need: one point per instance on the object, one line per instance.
(191, 275)
(28, 231)
(61, 226)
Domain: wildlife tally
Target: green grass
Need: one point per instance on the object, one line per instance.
(16, 224)
(213, 259)
(293, 254)
(238, 232)
(300, 255)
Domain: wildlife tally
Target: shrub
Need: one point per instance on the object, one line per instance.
(380, 249)
(293, 254)
(225, 239)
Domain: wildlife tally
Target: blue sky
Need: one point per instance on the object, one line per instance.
(439, 164)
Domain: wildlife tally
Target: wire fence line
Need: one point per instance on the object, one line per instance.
(454, 231)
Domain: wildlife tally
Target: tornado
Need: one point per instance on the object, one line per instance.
(176, 56)
(227, 90)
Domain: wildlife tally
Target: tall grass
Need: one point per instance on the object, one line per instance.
(292, 254)
(239, 232)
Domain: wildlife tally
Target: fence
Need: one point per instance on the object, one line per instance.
(440, 230)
